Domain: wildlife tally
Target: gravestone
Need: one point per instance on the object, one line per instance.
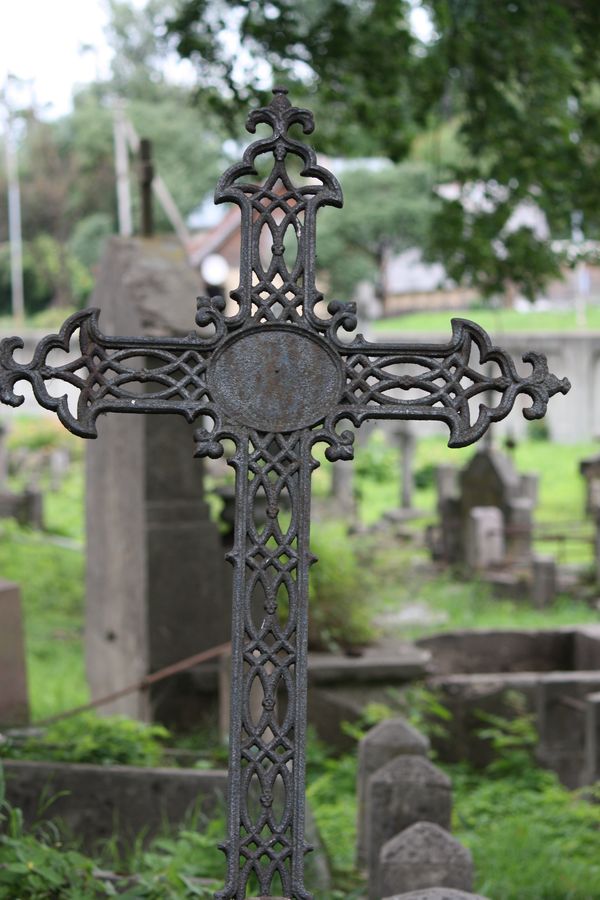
(545, 581)
(590, 470)
(485, 538)
(25, 506)
(437, 893)
(489, 480)
(14, 702)
(383, 743)
(423, 856)
(405, 441)
(343, 499)
(592, 739)
(157, 587)
(274, 378)
(406, 790)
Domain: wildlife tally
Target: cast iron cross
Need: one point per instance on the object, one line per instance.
(275, 377)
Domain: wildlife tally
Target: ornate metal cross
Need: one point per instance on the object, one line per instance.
(275, 377)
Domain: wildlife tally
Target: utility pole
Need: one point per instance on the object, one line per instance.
(122, 172)
(14, 217)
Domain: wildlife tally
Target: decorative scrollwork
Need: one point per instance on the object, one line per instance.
(420, 381)
(298, 382)
(137, 375)
(277, 212)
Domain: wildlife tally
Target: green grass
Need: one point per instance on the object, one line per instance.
(494, 321)
(531, 838)
(51, 580)
(458, 605)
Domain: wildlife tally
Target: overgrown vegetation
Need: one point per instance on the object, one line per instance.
(87, 738)
(340, 586)
(531, 838)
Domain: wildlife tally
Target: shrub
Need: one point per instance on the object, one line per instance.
(340, 615)
(87, 738)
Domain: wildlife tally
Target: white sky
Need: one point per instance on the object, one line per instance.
(41, 40)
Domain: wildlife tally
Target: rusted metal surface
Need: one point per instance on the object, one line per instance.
(276, 376)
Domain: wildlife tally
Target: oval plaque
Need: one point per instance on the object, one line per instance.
(275, 378)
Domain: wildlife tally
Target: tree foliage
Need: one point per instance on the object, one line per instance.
(521, 78)
(386, 210)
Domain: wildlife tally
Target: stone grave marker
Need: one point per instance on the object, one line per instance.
(423, 855)
(590, 470)
(275, 377)
(14, 702)
(405, 441)
(488, 481)
(25, 506)
(157, 587)
(485, 538)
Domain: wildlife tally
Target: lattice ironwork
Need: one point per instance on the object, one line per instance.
(275, 375)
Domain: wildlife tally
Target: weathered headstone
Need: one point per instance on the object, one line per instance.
(489, 480)
(157, 586)
(423, 856)
(405, 441)
(519, 531)
(590, 470)
(387, 740)
(3, 456)
(14, 702)
(25, 506)
(544, 581)
(485, 538)
(406, 790)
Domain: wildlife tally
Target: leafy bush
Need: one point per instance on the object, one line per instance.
(376, 461)
(537, 430)
(87, 738)
(36, 866)
(340, 615)
(424, 476)
(513, 740)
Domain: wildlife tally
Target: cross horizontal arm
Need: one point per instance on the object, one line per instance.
(438, 381)
(124, 374)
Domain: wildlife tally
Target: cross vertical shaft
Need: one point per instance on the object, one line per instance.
(269, 650)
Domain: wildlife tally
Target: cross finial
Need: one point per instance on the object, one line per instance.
(280, 115)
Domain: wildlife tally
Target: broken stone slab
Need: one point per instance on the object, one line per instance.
(97, 803)
(422, 856)
(387, 740)
(437, 894)
(407, 790)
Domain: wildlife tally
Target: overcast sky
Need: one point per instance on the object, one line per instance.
(42, 40)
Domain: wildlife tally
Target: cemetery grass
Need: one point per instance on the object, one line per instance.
(494, 321)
